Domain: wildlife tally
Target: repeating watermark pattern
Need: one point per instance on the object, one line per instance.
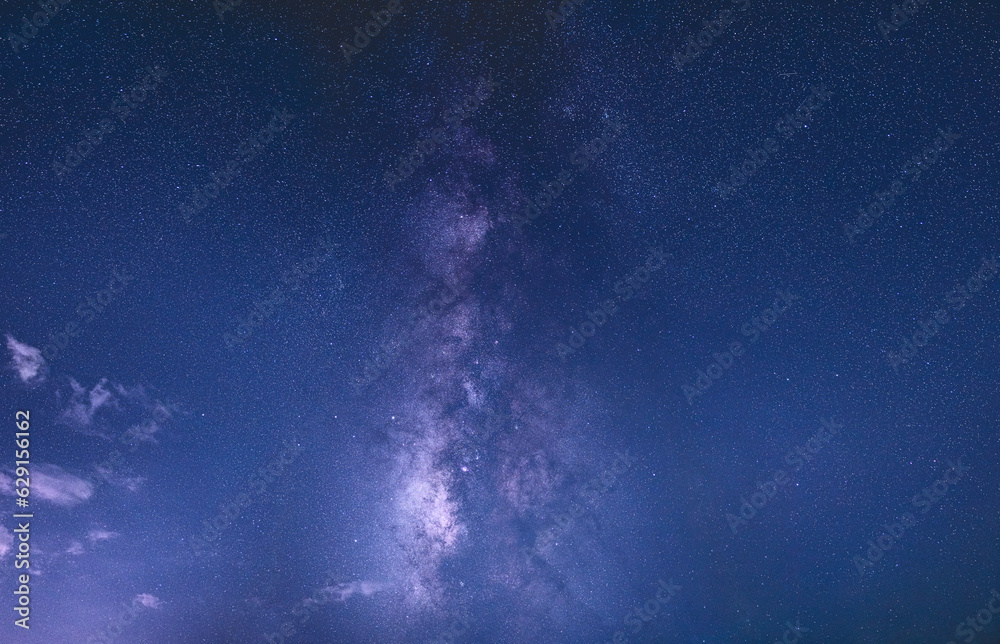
(562, 12)
(636, 618)
(425, 147)
(802, 116)
(792, 633)
(791, 123)
(122, 106)
(246, 153)
(290, 280)
(971, 626)
(391, 348)
(459, 627)
(581, 157)
(86, 312)
(924, 501)
(29, 29)
(303, 610)
(372, 29)
(596, 318)
(900, 16)
(222, 6)
(912, 169)
(255, 487)
(725, 360)
(129, 613)
(738, 176)
(958, 297)
(590, 494)
(133, 436)
(698, 43)
(794, 459)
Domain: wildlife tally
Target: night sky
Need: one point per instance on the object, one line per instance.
(454, 322)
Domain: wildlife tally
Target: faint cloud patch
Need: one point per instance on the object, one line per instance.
(53, 484)
(147, 600)
(6, 541)
(83, 404)
(27, 361)
(100, 535)
(343, 592)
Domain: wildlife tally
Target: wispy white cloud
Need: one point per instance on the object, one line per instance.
(83, 404)
(144, 432)
(53, 484)
(6, 541)
(75, 548)
(114, 477)
(342, 592)
(99, 534)
(147, 600)
(27, 361)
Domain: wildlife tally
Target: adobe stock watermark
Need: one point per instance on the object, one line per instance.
(596, 318)
(757, 157)
(924, 501)
(128, 614)
(562, 12)
(972, 625)
(390, 349)
(246, 153)
(724, 361)
(86, 312)
(423, 148)
(372, 28)
(698, 43)
(912, 169)
(133, 436)
(290, 280)
(590, 494)
(122, 105)
(255, 487)
(794, 459)
(793, 633)
(900, 16)
(637, 618)
(958, 297)
(456, 629)
(321, 596)
(222, 6)
(581, 157)
(29, 28)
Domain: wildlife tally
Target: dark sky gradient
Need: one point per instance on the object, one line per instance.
(441, 470)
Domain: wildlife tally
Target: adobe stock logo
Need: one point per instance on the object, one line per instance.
(912, 170)
(38, 20)
(979, 621)
(636, 618)
(798, 630)
(256, 486)
(698, 43)
(372, 29)
(596, 318)
(246, 153)
(423, 148)
(958, 297)
(725, 360)
(925, 500)
(581, 157)
(794, 459)
(900, 16)
(87, 312)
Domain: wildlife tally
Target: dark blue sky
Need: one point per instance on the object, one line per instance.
(640, 323)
